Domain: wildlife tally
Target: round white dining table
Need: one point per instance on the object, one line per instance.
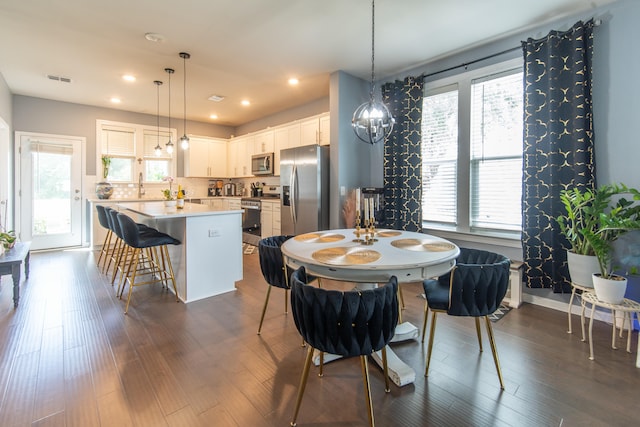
(410, 256)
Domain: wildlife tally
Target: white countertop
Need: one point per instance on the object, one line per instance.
(159, 210)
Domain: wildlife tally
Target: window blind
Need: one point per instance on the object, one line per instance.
(496, 151)
(440, 155)
(118, 142)
(151, 140)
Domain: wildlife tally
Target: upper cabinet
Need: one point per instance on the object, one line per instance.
(315, 130)
(284, 137)
(263, 142)
(206, 157)
(239, 157)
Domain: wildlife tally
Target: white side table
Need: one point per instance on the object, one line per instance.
(627, 307)
(584, 289)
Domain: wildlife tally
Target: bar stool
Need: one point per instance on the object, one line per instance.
(160, 264)
(106, 245)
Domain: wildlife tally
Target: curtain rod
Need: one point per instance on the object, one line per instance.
(596, 22)
(465, 64)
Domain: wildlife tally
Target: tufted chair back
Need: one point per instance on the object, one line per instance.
(271, 263)
(477, 284)
(352, 323)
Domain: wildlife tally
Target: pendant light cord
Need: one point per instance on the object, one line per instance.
(184, 90)
(373, 46)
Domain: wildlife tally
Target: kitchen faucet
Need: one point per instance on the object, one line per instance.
(140, 186)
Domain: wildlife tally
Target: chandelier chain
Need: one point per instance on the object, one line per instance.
(373, 46)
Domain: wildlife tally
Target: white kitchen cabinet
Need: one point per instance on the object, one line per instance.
(284, 137)
(206, 157)
(315, 130)
(238, 159)
(324, 136)
(266, 220)
(234, 204)
(277, 229)
(263, 142)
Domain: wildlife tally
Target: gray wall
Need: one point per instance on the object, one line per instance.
(63, 118)
(616, 66)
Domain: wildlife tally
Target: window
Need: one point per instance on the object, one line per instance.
(132, 151)
(472, 131)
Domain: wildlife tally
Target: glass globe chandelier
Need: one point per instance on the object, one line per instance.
(372, 121)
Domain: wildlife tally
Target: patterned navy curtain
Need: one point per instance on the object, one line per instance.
(558, 145)
(402, 155)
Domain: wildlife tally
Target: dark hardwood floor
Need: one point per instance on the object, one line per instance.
(70, 357)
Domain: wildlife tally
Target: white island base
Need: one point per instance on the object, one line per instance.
(209, 260)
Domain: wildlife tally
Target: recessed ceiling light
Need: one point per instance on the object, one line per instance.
(213, 116)
(116, 100)
(293, 81)
(154, 37)
(245, 102)
(129, 78)
(216, 98)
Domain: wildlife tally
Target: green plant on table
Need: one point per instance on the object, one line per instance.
(620, 217)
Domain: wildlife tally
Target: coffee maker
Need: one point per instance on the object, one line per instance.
(230, 189)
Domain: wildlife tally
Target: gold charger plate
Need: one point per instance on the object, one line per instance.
(346, 256)
(319, 237)
(419, 245)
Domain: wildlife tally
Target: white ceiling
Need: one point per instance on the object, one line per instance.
(239, 48)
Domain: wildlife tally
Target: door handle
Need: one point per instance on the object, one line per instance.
(76, 198)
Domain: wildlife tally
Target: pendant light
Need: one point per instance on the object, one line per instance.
(184, 141)
(372, 120)
(158, 149)
(170, 143)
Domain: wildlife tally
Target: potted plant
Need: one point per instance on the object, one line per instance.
(621, 217)
(582, 209)
(169, 200)
(104, 189)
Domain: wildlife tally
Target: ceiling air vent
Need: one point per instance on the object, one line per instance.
(59, 78)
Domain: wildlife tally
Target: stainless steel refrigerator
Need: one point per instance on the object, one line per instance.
(304, 181)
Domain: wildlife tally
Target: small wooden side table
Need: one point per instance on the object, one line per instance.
(10, 264)
(627, 307)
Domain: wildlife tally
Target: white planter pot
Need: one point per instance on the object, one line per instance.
(581, 268)
(170, 203)
(610, 290)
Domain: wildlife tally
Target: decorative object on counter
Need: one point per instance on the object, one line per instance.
(170, 143)
(180, 197)
(184, 140)
(372, 121)
(168, 192)
(104, 189)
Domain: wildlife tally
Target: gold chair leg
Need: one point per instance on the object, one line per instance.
(430, 346)
(303, 384)
(401, 296)
(286, 301)
(165, 251)
(321, 367)
(494, 350)
(133, 267)
(264, 309)
(400, 305)
(478, 333)
(367, 388)
(385, 370)
(424, 323)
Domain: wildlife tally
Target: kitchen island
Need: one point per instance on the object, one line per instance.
(209, 260)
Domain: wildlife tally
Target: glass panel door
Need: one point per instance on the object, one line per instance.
(51, 199)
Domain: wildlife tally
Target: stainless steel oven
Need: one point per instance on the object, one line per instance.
(251, 216)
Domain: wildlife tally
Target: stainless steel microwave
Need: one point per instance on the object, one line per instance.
(262, 164)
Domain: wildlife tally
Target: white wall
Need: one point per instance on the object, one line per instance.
(6, 157)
